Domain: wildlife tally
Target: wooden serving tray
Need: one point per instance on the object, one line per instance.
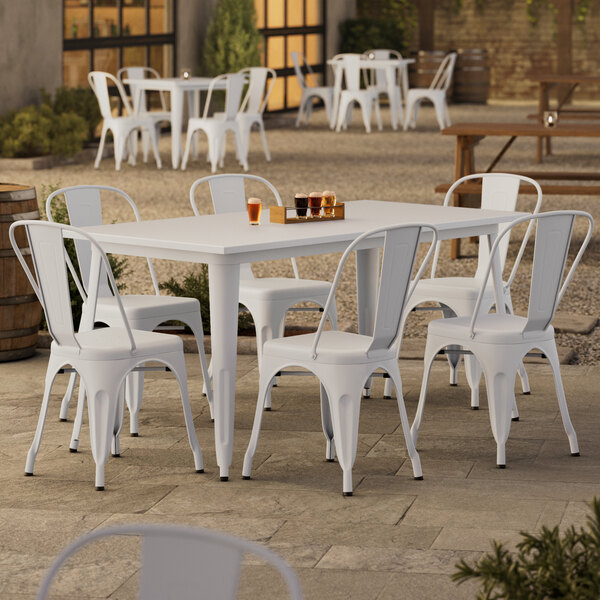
(287, 214)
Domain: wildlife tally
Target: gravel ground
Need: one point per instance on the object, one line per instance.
(387, 165)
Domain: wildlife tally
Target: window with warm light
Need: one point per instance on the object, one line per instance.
(288, 26)
(106, 35)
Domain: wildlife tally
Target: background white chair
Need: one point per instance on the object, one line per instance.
(121, 126)
(436, 93)
(457, 295)
(102, 357)
(181, 562)
(500, 341)
(267, 298)
(367, 99)
(216, 126)
(310, 92)
(140, 100)
(344, 361)
(260, 85)
(146, 312)
(377, 79)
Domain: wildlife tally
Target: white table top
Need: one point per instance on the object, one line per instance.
(168, 83)
(228, 238)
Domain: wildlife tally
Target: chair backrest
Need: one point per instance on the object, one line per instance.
(234, 87)
(140, 73)
(552, 241)
(228, 194)
(84, 205)
(395, 287)
(380, 80)
(350, 63)
(185, 563)
(299, 61)
(499, 191)
(256, 98)
(49, 277)
(443, 76)
(99, 82)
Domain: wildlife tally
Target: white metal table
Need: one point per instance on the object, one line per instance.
(176, 86)
(225, 241)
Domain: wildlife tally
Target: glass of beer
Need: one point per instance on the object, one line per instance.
(254, 208)
(314, 203)
(328, 202)
(301, 204)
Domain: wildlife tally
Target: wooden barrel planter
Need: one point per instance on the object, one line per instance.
(471, 76)
(20, 311)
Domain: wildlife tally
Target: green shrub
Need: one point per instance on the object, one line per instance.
(547, 565)
(78, 100)
(195, 285)
(60, 214)
(34, 131)
(358, 35)
(232, 39)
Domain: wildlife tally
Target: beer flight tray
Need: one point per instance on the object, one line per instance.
(287, 214)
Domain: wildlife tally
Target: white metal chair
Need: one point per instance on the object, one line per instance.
(140, 101)
(260, 85)
(500, 341)
(457, 295)
(344, 361)
(367, 99)
(183, 563)
(435, 93)
(102, 357)
(122, 127)
(267, 298)
(216, 126)
(377, 78)
(310, 92)
(146, 312)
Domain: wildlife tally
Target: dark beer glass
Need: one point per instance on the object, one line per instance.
(301, 204)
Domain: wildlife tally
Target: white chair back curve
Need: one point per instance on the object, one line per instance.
(51, 284)
(395, 287)
(443, 76)
(499, 191)
(552, 241)
(228, 194)
(183, 562)
(99, 82)
(234, 87)
(350, 63)
(84, 205)
(380, 81)
(140, 73)
(256, 98)
(296, 58)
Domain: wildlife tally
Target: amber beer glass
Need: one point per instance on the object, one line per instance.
(314, 203)
(254, 208)
(328, 202)
(301, 204)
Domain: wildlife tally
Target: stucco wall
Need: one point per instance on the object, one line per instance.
(193, 17)
(516, 49)
(337, 11)
(31, 54)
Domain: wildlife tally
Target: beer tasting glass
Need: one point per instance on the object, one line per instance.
(254, 208)
(301, 204)
(314, 202)
(328, 202)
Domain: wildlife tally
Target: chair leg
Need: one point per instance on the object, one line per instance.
(327, 426)
(261, 128)
(196, 328)
(154, 140)
(550, 351)
(365, 108)
(378, 114)
(37, 439)
(242, 149)
(430, 352)
(473, 373)
(134, 390)
(66, 401)
(100, 148)
(186, 152)
(78, 422)
(440, 112)
(120, 142)
(116, 441)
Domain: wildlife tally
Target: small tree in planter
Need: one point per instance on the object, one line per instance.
(232, 39)
(547, 565)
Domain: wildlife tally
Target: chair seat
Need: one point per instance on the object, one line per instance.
(490, 329)
(450, 287)
(112, 343)
(146, 306)
(157, 115)
(335, 347)
(283, 288)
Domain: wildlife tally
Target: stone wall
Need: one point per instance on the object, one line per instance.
(516, 49)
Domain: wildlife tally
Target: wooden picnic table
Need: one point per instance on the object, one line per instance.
(468, 135)
(547, 82)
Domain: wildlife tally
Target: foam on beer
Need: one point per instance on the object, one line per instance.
(300, 195)
(254, 200)
(328, 193)
(315, 194)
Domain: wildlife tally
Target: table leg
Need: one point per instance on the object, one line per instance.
(337, 90)
(394, 96)
(464, 164)
(224, 297)
(176, 122)
(543, 103)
